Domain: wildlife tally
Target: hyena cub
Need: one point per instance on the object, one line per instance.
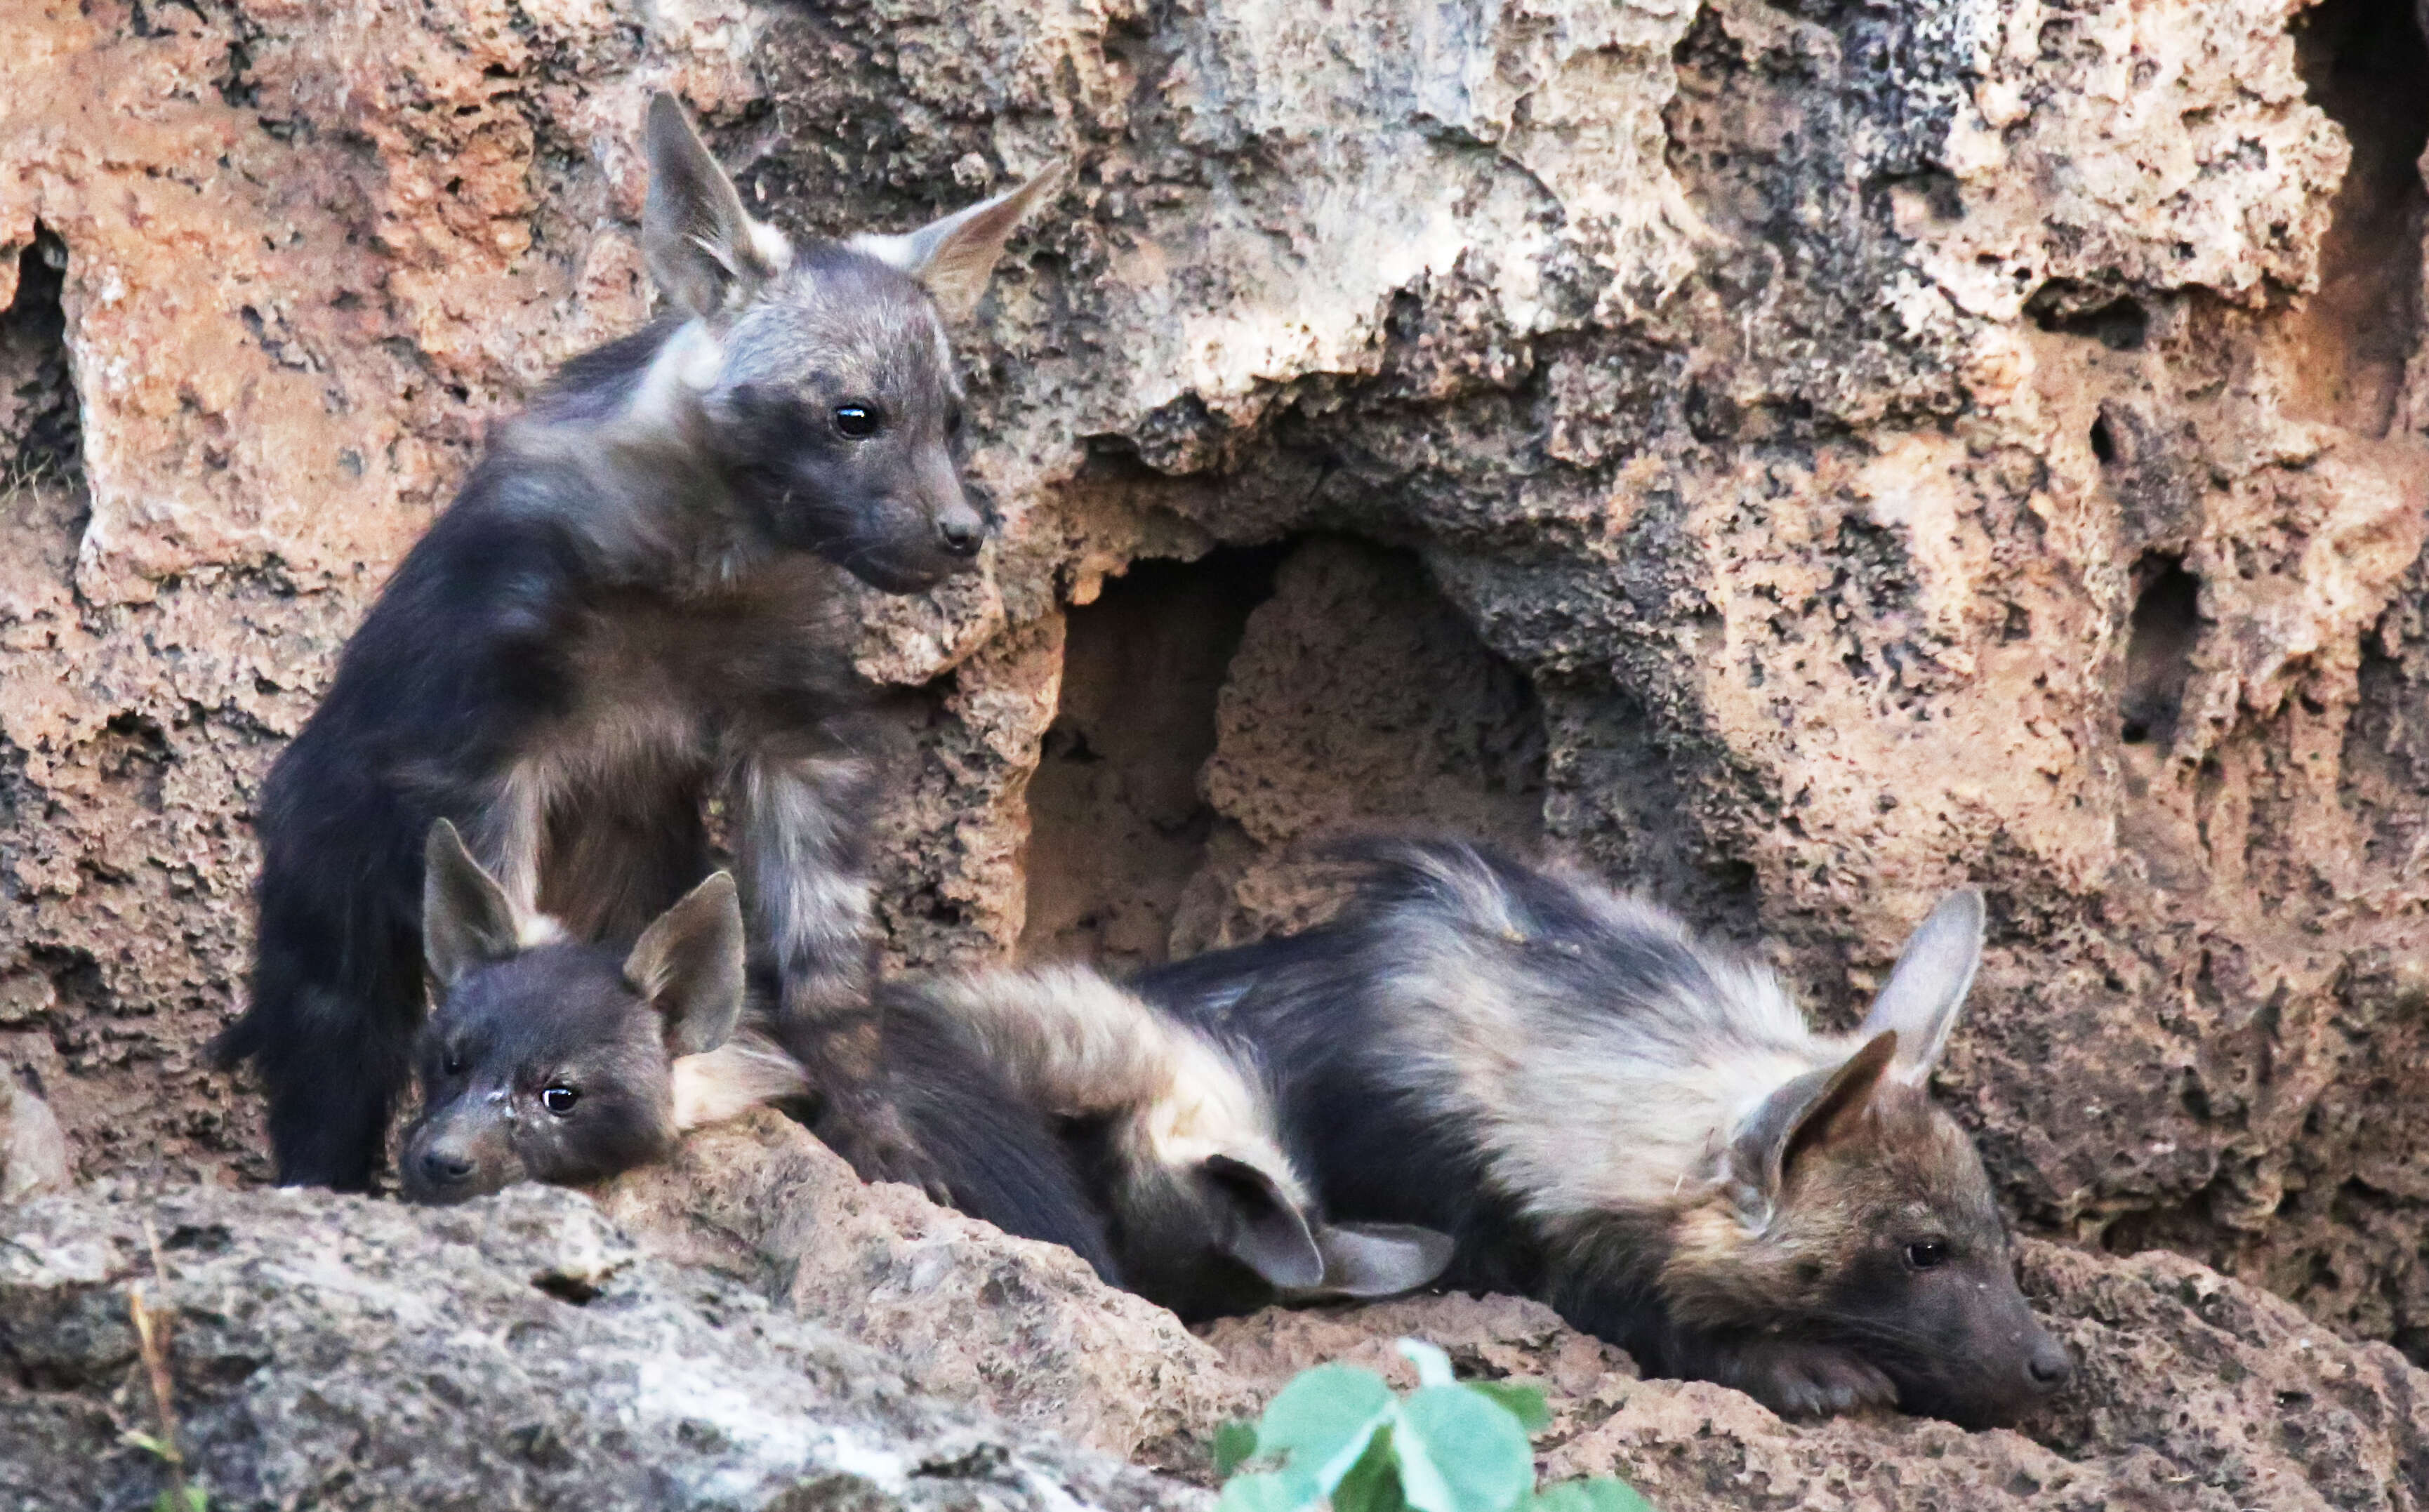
(551, 1059)
(1177, 1141)
(637, 597)
(1641, 1130)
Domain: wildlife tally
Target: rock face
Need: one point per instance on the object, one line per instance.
(518, 1353)
(2196, 1392)
(1794, 458)
(526, 1351)
(963, 1310)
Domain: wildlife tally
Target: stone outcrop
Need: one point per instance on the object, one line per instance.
(748, 1327)
(1794, 458)
(963, 1310)
(518, 1353)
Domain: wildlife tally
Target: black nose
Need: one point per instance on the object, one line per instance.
(962, 533)
(444, 1168)
(2051, 1366)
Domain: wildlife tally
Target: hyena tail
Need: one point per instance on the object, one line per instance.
(334, 1063)
(337, 994)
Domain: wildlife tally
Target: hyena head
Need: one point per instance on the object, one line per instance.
(554, 1062)
(1855, 1212)
(820, 378)
(1210, 1217)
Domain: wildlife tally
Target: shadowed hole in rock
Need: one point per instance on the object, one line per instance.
(1221, 719)
(564, 1288)
(1117, 825)
(2116, 321)
(41, 433)
(2366, 66)
(2103, 441)
(2158, 654)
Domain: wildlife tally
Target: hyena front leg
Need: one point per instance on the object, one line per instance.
(800, 815)
(1796, 1378)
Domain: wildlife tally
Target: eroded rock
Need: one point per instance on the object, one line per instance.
(515, 1353)
(965, 1311)
(1894, 446)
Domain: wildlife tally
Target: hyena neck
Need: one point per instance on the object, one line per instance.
(1641, 1066)
(631, 466)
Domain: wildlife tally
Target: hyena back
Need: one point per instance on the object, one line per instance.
(637, 597)
(1641, 1128)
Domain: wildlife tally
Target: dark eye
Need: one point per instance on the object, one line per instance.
(1927, 1254)
(452, 1064)
(559, 1100)
(856, 423)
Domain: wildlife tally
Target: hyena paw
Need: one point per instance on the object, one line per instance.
(1798, 1380)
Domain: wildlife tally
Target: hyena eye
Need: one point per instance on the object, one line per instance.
(1925, 1253)
(559, 1100)
(452, 1064)
(856, 423)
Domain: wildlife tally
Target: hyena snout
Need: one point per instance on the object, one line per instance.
(2049, 1366)
(444, 1161)
(961, 530)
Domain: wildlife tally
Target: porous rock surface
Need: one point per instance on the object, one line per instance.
(962, 1310)
(1793, 457)
(669, 1345)
(515, 1352)
(2194, 1392)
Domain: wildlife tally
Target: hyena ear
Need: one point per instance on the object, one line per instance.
(955, 256)
(1268, 1233)
(1380, 1259)
(466, 919)
(704, 253)
(1804, 1113)
(1927, 991)
(688, 966)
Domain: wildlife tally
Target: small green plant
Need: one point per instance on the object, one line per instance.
(152, 1343)
(1339, 1434)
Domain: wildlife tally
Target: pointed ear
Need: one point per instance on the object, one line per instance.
(704, 253)
(1804, 1113)
(1267, 1231)
(465, 916)
(955, 256)
(1928, 988)
(1380, 1259)
(688, 966)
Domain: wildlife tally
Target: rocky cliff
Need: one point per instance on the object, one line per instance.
(527, 1352)
(1792, 456)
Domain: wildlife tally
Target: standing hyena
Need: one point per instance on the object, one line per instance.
(635, 599)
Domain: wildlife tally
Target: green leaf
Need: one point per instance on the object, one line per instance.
(1373, 1485)
(1433, 1366)
(1235, 1444)
(1524, 1403)
(1267, 1491)
(1322, 1421)
(1459, 1451)
(157, 1448)
(194, 1500)
(1600, 1494)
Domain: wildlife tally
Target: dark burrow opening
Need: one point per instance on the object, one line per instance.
(2366, 65)
(40, 434)
(2116, 322)
(2160, 650)
(1219, 716)
(1118, 826)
